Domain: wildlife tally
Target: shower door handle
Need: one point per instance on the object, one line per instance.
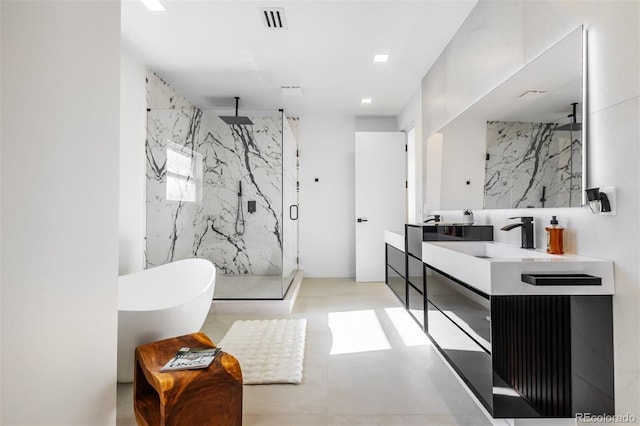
(291, 212)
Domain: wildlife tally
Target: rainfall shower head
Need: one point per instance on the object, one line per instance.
(235, 119)
(573, 126)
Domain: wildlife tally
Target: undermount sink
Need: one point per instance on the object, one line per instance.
(497, 251)
(497, 268)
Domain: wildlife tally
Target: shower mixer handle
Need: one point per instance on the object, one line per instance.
(240, 225)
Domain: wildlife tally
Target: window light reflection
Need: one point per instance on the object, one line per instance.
(448, 336)
(356, 331)
(406, 327)
(418, 314)
(505, 392)
(184, 174)
(466, 327)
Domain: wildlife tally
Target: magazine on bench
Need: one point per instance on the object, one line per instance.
(191, 358)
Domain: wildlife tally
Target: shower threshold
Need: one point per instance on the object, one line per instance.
(255, 306)
(234, 287)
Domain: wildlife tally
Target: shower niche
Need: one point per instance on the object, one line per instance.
(224, 192)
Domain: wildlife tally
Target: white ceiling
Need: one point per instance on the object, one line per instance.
(213, 50)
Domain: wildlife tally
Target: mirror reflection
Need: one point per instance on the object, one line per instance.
(521, 145)
(532, 165)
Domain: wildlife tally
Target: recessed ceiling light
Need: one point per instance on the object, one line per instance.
(154, 5)
(366, 100)
(381, 58)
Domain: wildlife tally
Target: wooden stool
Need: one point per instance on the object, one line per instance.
(208, 396)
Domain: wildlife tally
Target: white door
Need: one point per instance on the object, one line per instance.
(380, 198)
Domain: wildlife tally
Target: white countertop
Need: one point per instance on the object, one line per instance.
(496, 275)
(395, 239)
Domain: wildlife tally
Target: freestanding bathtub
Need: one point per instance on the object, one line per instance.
(166, 301)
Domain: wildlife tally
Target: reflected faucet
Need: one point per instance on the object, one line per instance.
(526, 225)
(435, 218)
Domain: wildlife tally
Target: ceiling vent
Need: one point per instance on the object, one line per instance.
(273, 18)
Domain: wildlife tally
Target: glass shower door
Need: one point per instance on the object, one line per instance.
(289, 202)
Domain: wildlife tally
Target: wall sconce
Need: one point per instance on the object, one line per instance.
(601, 201)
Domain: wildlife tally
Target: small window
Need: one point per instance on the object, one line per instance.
(184, 174)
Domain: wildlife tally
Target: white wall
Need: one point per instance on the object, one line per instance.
(376, 124)
(411, 117)
(496, 40)
(59, 212)
(133, 117)
(327, 207)
(463, 153)
(433, 172)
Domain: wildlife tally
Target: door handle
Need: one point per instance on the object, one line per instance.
(362, 219)
(291, 212)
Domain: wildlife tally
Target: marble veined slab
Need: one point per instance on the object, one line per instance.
(532, 165)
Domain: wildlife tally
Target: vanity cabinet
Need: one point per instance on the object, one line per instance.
(541, 347)
(395, 272)
(415, 235)
(525, 356)
(415, 288)
(405, 277)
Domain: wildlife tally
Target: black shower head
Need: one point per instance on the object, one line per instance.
(236, 120)
(231, 120)
(573, 126)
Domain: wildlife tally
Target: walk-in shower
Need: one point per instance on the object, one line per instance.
(224, 192)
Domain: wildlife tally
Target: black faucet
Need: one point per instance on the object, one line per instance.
(527, 230)
(435, 218)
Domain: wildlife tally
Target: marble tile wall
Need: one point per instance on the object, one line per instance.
(528, 160)
(195, 166)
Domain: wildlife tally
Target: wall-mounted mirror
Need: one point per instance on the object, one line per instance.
(521, 145)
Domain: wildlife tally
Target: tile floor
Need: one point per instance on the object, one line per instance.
(366, 363)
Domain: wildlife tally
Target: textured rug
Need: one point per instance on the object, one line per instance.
(269, 351)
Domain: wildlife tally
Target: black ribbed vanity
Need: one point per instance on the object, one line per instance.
(524, 349)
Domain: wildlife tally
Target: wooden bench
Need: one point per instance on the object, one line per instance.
(208, 396)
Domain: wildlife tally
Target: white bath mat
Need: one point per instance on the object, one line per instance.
(269, 351)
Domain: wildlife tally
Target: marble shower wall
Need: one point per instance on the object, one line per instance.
(525, 160)
(195, 163)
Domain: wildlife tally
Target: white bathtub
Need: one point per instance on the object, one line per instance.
(166, 301)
